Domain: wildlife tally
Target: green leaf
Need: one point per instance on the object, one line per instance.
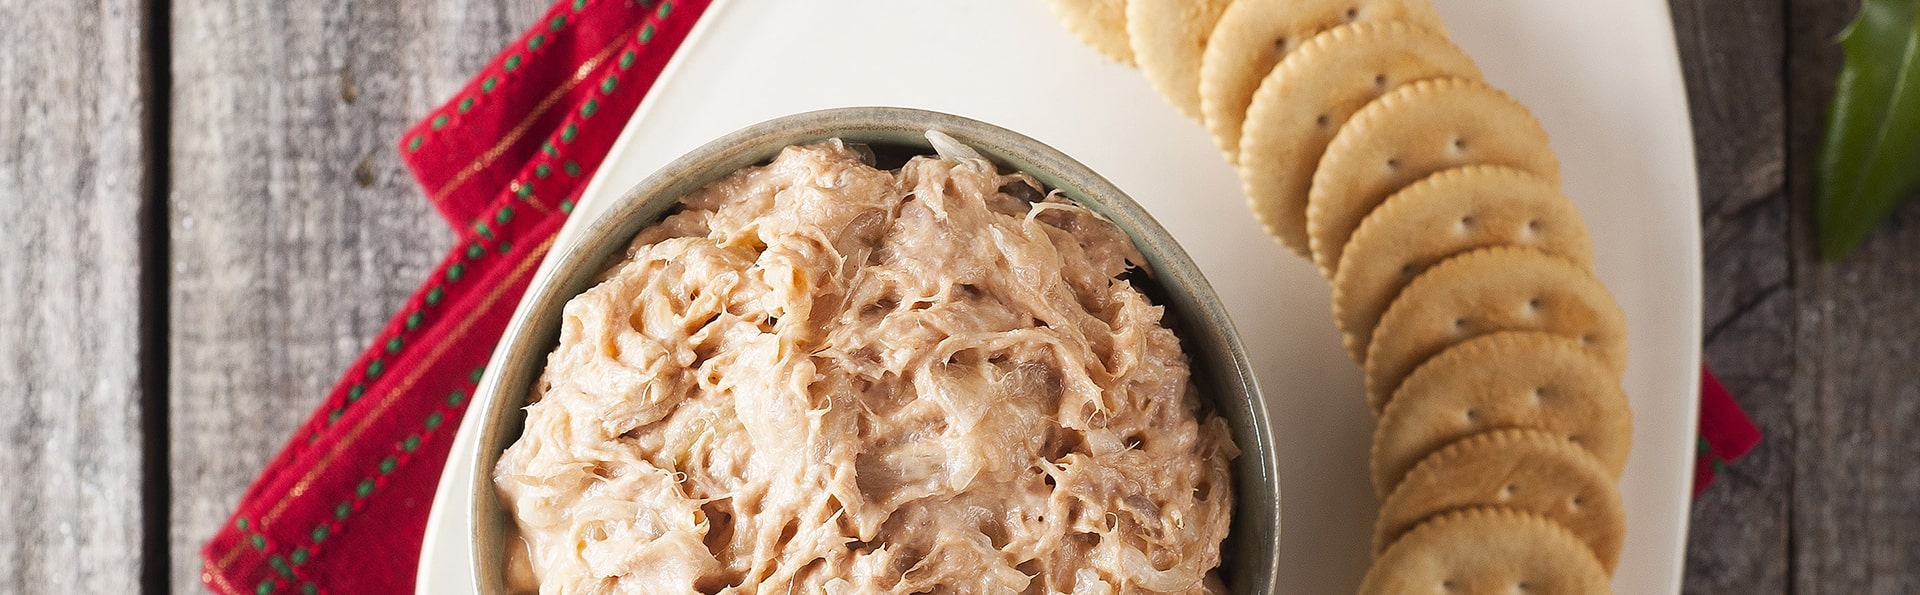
(1871, 157)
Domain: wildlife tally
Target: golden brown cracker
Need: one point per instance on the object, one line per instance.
(1513, 379)
(1487, 551)
(1168, 38)
(1445, 214)
(1408, 134)
(1254, 35)
(1101, 24)
(1527, 470)
(1301, 104)
(1489, 290)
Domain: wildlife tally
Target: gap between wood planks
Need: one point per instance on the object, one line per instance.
(155, 267)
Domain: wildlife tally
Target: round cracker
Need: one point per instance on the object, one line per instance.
(1254, 35)
(1169, 37)
(1445, 214)
(1408, 134)
(1488, 290)
(1487, 551)
(1101, 24)
(1526, 470)
(1514, 379)
(1304, 100)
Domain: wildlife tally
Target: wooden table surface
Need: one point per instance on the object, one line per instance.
(205, 220)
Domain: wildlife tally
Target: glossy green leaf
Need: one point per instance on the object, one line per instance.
(1871, 157)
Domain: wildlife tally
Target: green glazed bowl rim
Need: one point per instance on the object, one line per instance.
(1250, 561)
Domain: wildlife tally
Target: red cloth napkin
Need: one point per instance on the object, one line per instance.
(342, 508)
(1726, 434)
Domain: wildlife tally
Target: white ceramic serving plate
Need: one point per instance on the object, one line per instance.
(1602, 76)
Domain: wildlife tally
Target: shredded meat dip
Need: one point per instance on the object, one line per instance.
(821, 377)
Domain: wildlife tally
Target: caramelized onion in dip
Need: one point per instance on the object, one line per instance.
(821, 377)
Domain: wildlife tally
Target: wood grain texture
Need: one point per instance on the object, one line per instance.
(1856, 492)
(296, 229)
(1732, 52)
(1821, 354)
(73, 188)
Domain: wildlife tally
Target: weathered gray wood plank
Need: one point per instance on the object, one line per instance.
(1732, 51)
(1856, 515)
(1821, 354)
(73, 184)
(296, 229)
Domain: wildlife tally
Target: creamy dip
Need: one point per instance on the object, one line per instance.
(822, 377)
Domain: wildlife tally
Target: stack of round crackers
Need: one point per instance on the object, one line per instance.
(1461, 274)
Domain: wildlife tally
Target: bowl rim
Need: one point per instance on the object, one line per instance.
(1219, 359)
